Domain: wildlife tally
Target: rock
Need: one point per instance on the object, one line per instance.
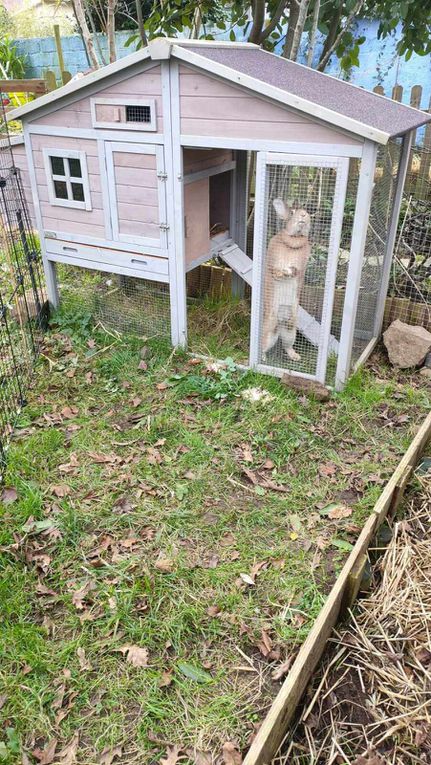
(427, 362)
(426, 372)
(407, 345)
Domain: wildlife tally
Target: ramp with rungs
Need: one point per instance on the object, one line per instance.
(239, 262)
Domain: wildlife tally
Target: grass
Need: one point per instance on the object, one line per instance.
(135, 524)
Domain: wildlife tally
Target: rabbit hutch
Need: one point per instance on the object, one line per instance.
(188, 153)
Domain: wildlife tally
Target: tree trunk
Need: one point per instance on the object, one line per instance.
(258, 10)
(299, 28)
(110, 30)
(141, 27)
(313, 33)
(85, 32)
(293, 20)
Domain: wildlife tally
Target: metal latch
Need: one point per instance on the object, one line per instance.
(164, 226)
(162, 176)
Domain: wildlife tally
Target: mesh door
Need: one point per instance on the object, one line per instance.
(299, 213)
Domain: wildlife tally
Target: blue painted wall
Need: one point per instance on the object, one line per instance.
(379, 63)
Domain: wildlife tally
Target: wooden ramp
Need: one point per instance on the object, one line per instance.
(239, 262)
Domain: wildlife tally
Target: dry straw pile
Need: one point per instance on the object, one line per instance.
(371, 702)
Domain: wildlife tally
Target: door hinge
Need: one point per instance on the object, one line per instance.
(162, 176)
(164, 226)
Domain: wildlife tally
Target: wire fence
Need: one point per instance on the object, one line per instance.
(23, 306)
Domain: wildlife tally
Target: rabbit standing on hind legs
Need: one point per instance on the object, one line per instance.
(286, 260)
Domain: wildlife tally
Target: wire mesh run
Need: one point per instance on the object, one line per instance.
(370, 295)
(299, 204)
(121, 303)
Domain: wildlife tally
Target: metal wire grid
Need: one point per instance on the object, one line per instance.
(410, 281)
(121, 303)
(295, 264)
(138, 113)
(23, 307)
(388, 158)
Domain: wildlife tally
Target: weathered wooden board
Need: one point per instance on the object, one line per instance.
(274, 726)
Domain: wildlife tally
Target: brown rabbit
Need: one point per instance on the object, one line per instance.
(286, 260)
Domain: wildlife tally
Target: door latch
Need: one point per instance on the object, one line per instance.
(164, 226)
(162, 176)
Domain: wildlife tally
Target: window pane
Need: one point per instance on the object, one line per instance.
(75, 168)
(57, 165)
(60, 189)
(78, 192)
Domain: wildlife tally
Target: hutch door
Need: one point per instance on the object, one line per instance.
(137, 195)
(300, 201)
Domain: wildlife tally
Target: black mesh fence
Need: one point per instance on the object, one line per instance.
(23, 305)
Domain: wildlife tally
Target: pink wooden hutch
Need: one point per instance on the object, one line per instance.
(140, 169)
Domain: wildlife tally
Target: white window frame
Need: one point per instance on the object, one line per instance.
(141, 126)
(67, 178)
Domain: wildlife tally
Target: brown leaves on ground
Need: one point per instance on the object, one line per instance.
(282, 669)
(250, 579)
(165, 565)
(80, 595)
(260, 479)
(109, 754)
(9, 495)
(135, 655)
(231, 754)
(338, 512)
(61, 490)
(173, 753)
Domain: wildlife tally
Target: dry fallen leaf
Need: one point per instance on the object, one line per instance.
(61, 490)
(231, 754)
(165, 565)
(46, 756)
(339, 511)
(109, 754)
(83, 661)
(282, 669)
(166, 679)
(9, 495)
(68, 753)
(172, 756)
(135, 655)
(79, 595)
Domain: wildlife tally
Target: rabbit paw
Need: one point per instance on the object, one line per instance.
(293, 355)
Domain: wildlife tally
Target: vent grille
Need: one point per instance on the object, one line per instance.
(138, 113)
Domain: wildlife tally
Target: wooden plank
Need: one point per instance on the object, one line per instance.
(397, 93)
(273, 728)
(423, 180)
(23, 86)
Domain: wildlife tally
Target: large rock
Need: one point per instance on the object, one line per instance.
(407, 345)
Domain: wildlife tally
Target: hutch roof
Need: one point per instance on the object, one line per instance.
(319, 95)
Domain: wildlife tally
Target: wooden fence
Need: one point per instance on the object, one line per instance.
(418, 181)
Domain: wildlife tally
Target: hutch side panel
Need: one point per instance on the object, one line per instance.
(20, 159)
(210, 107)
(197, 220)
(143, 87)
(196, 160)
(69, 186)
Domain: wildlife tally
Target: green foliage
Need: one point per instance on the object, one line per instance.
(7, 25)
(12, 65)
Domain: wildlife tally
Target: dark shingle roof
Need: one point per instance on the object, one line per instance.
(323, 90)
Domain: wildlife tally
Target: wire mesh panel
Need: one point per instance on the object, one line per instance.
(23, 307)
(121, 303)
(385, 177)
(298, 219)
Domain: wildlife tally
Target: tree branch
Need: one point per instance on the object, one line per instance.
(299, 28)
(313, 33)
(324, 60)
(85, 32)
(274, 21)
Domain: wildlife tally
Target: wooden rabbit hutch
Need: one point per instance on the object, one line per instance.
(141, 169)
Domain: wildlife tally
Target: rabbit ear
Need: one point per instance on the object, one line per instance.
(295, 204)
(280, 208)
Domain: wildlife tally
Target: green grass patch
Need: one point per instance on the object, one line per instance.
(158, 509)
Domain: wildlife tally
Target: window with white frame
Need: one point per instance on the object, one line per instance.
(67, 177)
